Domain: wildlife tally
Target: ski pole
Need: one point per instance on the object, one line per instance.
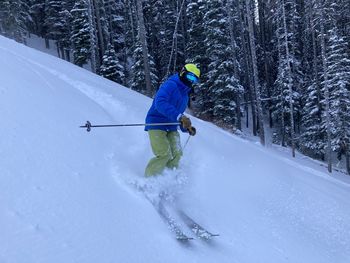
(188, 139)
(88, 125)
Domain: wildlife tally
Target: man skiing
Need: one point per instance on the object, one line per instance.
(169, 106)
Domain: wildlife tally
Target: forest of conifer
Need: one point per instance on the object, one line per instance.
(281, 66)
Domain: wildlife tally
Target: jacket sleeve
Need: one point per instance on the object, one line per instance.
(163, 98)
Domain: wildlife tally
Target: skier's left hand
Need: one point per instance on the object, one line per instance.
(185, 122)
(192, 131)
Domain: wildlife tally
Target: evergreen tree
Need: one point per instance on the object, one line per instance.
(266, 51)
(57, 19)
(154, 19)
(324, 21)
(176, 36)
(312, 140)
(161, 23)
(138, 77)
(338, 66)
(204, 96)
(196, 51)
(14, 17)
(37, 13)
(111, 67)
(81, 36)
(64, 43)
(130, 27)
(313, 134)
(227, 89)
(142, 38)
(242, 38)
(100, 25)
(163, 42)
(343, 20)
(224, 87)
(250, 10)
(115, 11)
(288, 75)
(52, 21)
(195, 12)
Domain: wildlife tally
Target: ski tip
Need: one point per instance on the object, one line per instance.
(208, 237)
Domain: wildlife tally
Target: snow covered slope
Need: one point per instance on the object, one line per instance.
(64, 195)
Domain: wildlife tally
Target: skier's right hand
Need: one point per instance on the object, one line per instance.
(185, 122)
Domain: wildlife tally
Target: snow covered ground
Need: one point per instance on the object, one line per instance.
(66, 194)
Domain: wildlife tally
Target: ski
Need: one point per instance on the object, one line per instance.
(173, 226)
(165, 215)
(196, 228)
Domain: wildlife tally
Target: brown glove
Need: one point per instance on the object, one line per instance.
(185, 122)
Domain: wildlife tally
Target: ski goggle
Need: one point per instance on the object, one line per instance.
(191, 77)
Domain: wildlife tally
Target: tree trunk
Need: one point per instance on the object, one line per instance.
(47, 43)
(326, 89)
(67, 51)
(255, 73)
(248, 83)
(92, 37)
(100, 37)
(247, 111)
(142, 36)
(314, 61)
(62, 53)
(315, 77)
(347, 159)
(58, 50)
(238, 123)
(131, 18)
(262, 23)
(283, 130)
(290, 81)
(184, 23)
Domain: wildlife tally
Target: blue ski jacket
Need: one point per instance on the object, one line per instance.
(169, 103)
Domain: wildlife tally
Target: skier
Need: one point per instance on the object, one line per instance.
(169, 106)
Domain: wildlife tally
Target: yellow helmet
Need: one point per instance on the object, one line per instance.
(193, 69)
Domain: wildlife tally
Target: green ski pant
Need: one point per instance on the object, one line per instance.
(166, 147)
